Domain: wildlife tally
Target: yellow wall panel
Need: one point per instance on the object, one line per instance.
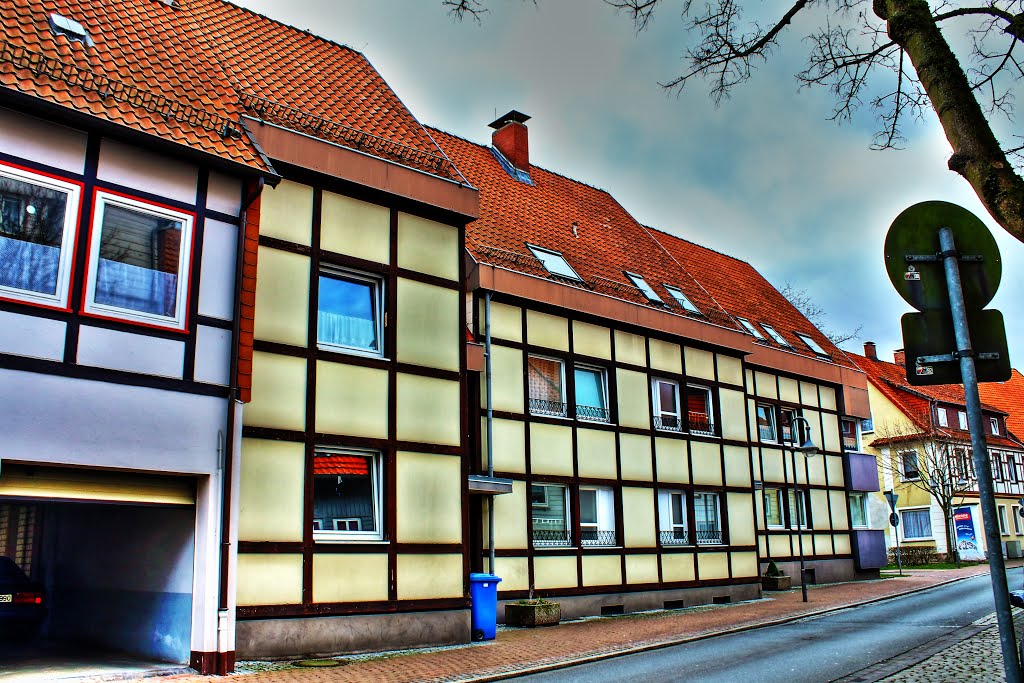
(707, 463)
(514, 573)
(815, 470)
(635, 455)
(666, 356)
(814, 417)
(554, 572)
(677, 567)
(428, 247)
(830, 426)
(819, 508)
(699, 363)
(673, 461)
(822, 544)
(773, 467)
(741, 519)
(344, 577)
(271, 490)
(278, 392)
(752, 419)
(641, 569)
(506, 322)
(713, 565)
(827, 397)
(842, 542)
(423, 577)
(595, 454)
(429, 330)
(351, 400)
(265, 579)
(634, 398)
(510, 512)
(506, 380)
(737, 466)
(282, 297)
(428, 410)
(834, 464)
(638, 517)
(780, 546)
(286, 212)
(591, 340)
(730, 369)
(744, 565)
(551, 449)
(602, 570)
(762, 546)
(733, 424)
(789, 390)
(809, 394)
(749, 381)
(429, 495)
(360, 229)
(509, 445)
(765, 385)
(546, 330)
(840, 510)
(630, 348)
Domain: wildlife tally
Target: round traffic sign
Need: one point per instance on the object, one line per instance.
(922, 284)
(894, 519)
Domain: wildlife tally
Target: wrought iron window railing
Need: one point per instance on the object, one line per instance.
(551, 538)
(674, 537)
(700, 423)
(593, 537)
(669, 423)
(593, 413)
(849, 443)
(708, 534)
(540, 406)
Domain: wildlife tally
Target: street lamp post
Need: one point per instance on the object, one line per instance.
(808, 449)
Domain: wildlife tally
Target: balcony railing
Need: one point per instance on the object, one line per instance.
(593, 537)
(708, 534)
(551, 538)
(700, 423)
(593, 413)
(674, 537)
(669, 423)
(540, 406)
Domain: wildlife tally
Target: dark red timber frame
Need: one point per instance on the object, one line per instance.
(73, 317)
(815, 525)
(387, 447)
(573, 483)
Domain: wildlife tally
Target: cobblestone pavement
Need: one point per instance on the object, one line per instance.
(518, 651)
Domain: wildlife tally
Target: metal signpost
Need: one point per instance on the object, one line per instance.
(944, 262)
(894, 521)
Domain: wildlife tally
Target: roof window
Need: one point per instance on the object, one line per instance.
(645, 288)
(778, 338)
(749, 327)
(71, 29)
(554, 263)
(812, 345)
(681, 299)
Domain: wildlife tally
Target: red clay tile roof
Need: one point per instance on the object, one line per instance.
(1008, 396)
(601, 240)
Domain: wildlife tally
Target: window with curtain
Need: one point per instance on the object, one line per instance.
(773, 507)
(798, 508)
(346, 495)
(349, 312)
(909, 464)
(597, 516)
(858, 510)
(916, 524)
(591, 394)
(766, 422)
(549, 511)
(665, 395)
(707, 520)
(546, 379)
(672, 518)
(698, 410)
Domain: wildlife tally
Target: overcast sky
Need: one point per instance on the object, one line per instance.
(765, 177)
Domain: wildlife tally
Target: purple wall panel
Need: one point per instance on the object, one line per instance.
(869, 548)
(861, 472)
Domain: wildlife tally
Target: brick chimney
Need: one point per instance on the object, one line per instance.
(870, 351)
(512, 138)
(899, 358)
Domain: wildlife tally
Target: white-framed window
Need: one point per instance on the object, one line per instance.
(993, 424)
(766, 422)
(591, 388)
(681, 299)
(700, 417)
(707, 518)
(995, 464)
(848, 427)
(347, 486)
(665, 399)
(943, 417)
(1002, 520)
(38, 218)
(786, 422)
(858, 510)
(597, 516)
(749, 327)
(799, 507)
(776, 337)
(916, 524)
(549, 510)
(546, 385)
(961, 416)
(1015, 513)
(350, 312)
(812, 345)
(644, 288)
(1011, 468)
(909, 465)
(139, 260)
(554, 262)
(867, 425)
(672, 518)
(773, 514)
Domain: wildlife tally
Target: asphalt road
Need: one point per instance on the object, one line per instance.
(814, 650)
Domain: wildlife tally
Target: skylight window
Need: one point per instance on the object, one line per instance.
(749, 326)
(812, 345)
(681, 299)
(642, 285)
(778, 338)
(554, 263)
(65, 26)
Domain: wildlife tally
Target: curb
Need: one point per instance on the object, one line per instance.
(565, 664)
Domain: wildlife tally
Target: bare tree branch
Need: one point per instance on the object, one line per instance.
(815, 314)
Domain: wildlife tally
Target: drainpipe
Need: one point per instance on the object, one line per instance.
(490, 427)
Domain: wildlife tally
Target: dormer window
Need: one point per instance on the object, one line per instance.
(645, 288)
(776, 337)
(812, 345)
(554, 263)
(681, 299)
(71, 29)
(749, 327)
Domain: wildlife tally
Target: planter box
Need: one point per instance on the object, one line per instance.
(776, 583)
(530, 615)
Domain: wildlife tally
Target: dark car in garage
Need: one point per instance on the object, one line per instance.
(22, 602)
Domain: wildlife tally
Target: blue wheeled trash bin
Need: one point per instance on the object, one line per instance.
(483, 592)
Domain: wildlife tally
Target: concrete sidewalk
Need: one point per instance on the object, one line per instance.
(519, 651)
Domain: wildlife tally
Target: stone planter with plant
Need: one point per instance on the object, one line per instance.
(774, 580)
(531, 613)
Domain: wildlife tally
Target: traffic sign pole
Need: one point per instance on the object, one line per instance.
(1000, 589)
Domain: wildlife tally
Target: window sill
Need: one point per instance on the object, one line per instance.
(361, 541)
(602, 547)
(350, 351)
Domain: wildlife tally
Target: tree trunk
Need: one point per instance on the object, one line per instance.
(950, 536)
(977, 155)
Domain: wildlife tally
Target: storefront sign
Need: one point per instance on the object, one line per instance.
(966, 541)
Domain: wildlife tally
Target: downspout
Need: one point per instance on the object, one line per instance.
(490, 428)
